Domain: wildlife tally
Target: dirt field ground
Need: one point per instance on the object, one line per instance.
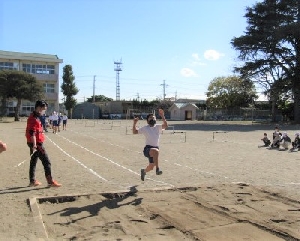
(217, 185)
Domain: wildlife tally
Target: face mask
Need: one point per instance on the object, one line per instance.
(152, 122)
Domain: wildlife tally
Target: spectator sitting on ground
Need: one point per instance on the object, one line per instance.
(266, 140)
(296, 142)
(284, 142)
(276, 138)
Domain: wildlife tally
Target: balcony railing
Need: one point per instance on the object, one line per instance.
(46, 77)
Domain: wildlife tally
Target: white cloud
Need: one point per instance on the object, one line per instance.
(212, 54)
(186, 72)
(196, 60)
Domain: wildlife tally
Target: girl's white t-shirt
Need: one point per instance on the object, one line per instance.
(152, 134)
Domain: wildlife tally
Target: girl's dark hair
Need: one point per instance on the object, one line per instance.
(149, 116)
(41, 103)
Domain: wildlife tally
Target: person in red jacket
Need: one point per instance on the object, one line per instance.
(35, 139)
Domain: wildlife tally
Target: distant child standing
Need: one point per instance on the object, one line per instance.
(55, 122)
(65, 119)
(43, 121)
(59, 121)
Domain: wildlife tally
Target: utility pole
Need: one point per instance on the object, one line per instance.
(138, 97)
(94, 88)
(118, 69)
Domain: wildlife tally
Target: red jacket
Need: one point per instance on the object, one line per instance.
(34, 128)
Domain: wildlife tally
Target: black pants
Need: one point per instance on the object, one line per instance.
(42, 155)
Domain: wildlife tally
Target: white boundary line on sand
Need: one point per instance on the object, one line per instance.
(25, 160)
(233, 181)
(112, 144)
(84, 166)
(21, 163)
(103, 157)
(176, 164)
(135, 173)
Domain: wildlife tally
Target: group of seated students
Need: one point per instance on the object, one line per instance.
(281, 141)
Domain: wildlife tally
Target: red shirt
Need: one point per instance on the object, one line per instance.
(34, 128)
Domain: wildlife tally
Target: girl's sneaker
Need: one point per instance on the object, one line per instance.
(35, 183)
(158, 172)
(54, 184)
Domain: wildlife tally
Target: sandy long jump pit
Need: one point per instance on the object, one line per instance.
(224, 212)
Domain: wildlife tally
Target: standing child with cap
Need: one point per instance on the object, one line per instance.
(65, 119)
(35, 139)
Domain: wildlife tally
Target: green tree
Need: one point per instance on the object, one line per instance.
(229, 92)
(69, 89)
(3, 93)
(21, 86)
(99, 98)
(270, 48)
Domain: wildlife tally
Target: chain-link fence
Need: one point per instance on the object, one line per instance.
(237, 114)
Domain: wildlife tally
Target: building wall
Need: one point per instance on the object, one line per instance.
(176, 114)
(86, 110)
(179, 113)
(119, 108)
(44, 67)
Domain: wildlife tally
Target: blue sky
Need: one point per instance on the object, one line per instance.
(185, 43)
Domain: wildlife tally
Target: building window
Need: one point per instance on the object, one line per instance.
(26, 68)
(7, 65)
(27, 109)
(50, 69)
(48, 88)
(38, 68)
(27, 106)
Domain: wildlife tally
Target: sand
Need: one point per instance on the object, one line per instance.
(216, 184)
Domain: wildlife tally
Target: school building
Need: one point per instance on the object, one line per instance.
(44, 67)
